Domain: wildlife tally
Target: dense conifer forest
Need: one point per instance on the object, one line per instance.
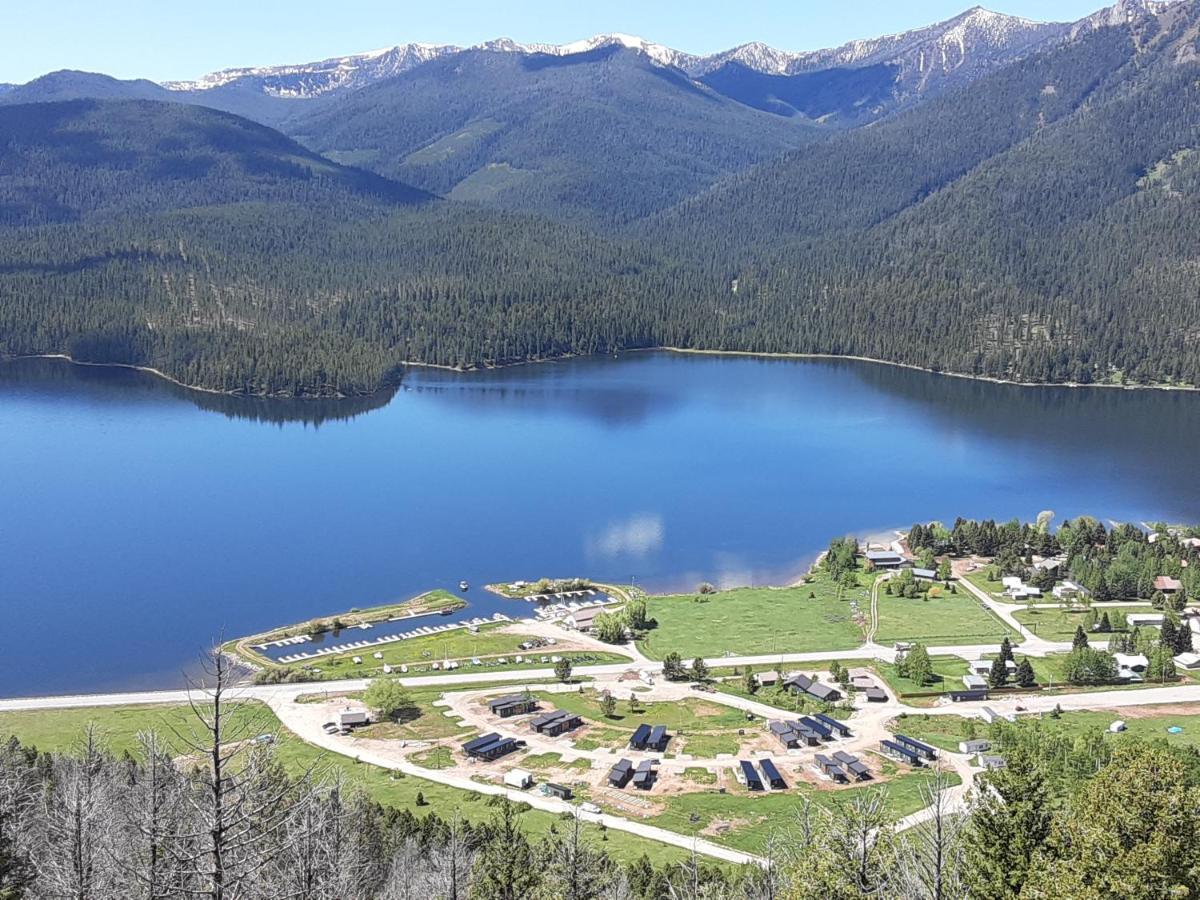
(1037, 226)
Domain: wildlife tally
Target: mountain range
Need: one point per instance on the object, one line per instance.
(987, 196)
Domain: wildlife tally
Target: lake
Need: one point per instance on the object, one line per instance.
(139, 522)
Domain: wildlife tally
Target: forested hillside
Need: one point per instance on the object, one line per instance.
(606, 136)
(1036, 226)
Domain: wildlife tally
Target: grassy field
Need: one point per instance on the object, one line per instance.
(61, 729)
(753, 818)
(689, 716)
(752, 621)
(947, 671)
(1147, 723)
(947, 619)
(1060, 625)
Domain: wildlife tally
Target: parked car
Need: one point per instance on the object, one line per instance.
(589, 807)
(330, 728)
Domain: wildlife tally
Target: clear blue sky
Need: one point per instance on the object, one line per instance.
(170, 39)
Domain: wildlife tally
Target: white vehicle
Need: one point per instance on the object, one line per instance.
(590, 808)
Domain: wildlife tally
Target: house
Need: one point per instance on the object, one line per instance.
(918, 747)
(1117, 727)
(747, 775)
(989, 715)
(974, 747)
(1070, 590)
(1050, 564)
(1131, 667)
(851, 764)
(1144, 620)
(885, 559)
(490, 746)
(644, 775)
(802, 684)
(519, 779)
(562, 792)
(830, 769)
(512, 705)
(555, 722)
(975, 682)
(875, 695)
(772, 775)
(767, 679)
(584, 618)
(619, 774)
(1167, 585)
(983, 667)
(353, 718)
(992, 762)
(925, 574)
(1189, 661)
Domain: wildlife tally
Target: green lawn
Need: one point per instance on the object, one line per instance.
(61, 729)
(947, 671)
(755, 621)
(1149, 723)
(753, 818)
(947, 619)
(1060, 625)
(691, 715)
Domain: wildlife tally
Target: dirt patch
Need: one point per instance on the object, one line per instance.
(1154, 712)
(719, 827)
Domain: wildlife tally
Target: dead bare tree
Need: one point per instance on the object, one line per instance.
(241, 800)
(448, 870)
(74, 853)
(152, 815)
(412, 876)
(930, 860)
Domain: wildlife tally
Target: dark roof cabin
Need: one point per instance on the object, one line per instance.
(490, 746)
(918, 747)
(561, 791)
(619, 774)
(749, 775)
(875, 695)
(640, 736)
(644, 775)
(512, 705)
(658, 738)
(851, 764)
(819, 728)
(772, 775)
(891, 748)
(829, 768)
(840, 727)
(555, 722)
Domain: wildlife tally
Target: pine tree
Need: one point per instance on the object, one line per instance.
(1006, 650)
(998, 676)
(507, 868)
(1080, 639)
(1025, 675)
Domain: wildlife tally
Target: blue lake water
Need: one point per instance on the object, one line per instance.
(139, 522)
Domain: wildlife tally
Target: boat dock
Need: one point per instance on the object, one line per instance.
(391, 638)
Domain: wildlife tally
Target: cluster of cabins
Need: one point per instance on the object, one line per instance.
(908, 750)
(748, 775)
(650, 737)
(553, 722)
(842, 767)
(642, 776)
(807, 731)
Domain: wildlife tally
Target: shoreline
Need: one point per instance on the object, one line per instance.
(688, 351)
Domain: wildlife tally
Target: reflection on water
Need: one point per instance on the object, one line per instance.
(136, 527)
